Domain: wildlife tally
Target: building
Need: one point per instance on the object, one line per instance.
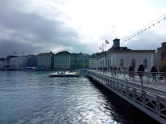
(32, 61)
(93, 60)
(62, 60)
(160, 55)
(19, 62)
(79, 60)
(14, 62)
(74, 61)
(5, 62)
(45, 61)
(123, 57)
(2, 62)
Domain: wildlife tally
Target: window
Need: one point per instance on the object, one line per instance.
(133, 63)
(145, 62)
(121, 62)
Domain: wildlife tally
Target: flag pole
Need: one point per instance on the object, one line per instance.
(105, 53)
(105, 46)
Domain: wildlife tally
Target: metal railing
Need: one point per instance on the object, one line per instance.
(135, 75)
(134, 89)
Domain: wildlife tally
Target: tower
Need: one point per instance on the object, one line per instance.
(116, 43)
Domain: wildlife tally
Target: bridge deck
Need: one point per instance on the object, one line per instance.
(157, 88)
(145, 94)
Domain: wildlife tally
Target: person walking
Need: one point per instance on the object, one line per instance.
(115, 69)
(141, 70)
(154, 72)
(162, 74)
(111, 69)
(131, 71)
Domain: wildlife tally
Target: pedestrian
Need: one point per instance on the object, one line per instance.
(141, 70)
(162, 74)
(115, 69)
(131, 71)
(154, 72)
(111, 69)
(118, 70)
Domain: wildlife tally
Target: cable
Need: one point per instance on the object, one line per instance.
(157, 21)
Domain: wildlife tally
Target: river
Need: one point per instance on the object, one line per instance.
(34, 98)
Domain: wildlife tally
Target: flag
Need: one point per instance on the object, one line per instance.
(106, 42)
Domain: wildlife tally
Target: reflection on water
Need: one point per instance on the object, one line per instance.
(33, 97)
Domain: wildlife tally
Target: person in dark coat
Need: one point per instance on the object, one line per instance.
(154, 72)
(115, 69)
(141, 70)
(131, 71)
(162, 74)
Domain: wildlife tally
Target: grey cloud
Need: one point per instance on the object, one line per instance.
(8, 47)
(33, 29)
(30, 23)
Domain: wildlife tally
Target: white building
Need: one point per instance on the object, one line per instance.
(62, 60)
(45, 61)
(20, 61)
(93, 61)
(14, 62)
(124, 57)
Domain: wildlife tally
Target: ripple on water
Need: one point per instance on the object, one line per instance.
(33, 97)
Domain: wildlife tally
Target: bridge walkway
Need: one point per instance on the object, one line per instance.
(145, 94)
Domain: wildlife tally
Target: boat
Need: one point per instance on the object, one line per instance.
(64, 74)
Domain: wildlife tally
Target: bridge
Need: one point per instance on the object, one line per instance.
(144, 93)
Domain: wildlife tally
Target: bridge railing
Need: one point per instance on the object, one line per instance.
(130, 86)
(148, 77)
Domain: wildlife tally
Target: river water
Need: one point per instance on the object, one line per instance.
(35, 98)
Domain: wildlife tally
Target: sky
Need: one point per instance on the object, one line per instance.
(39, 26)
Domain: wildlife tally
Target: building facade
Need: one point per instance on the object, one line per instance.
(45, 61)
(92, 63)
(123, 57)
(19, 62)
(93, 60)
(14, 62)
(2, 62)
(7, 60)
(160, 55)
(62, 60)
(32, 61)
(79, 60)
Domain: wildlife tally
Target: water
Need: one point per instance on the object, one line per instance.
(35, 98)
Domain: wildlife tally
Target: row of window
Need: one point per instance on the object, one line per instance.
(133, 63)
(56, 66)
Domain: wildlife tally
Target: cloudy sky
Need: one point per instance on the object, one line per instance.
(38, 26)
